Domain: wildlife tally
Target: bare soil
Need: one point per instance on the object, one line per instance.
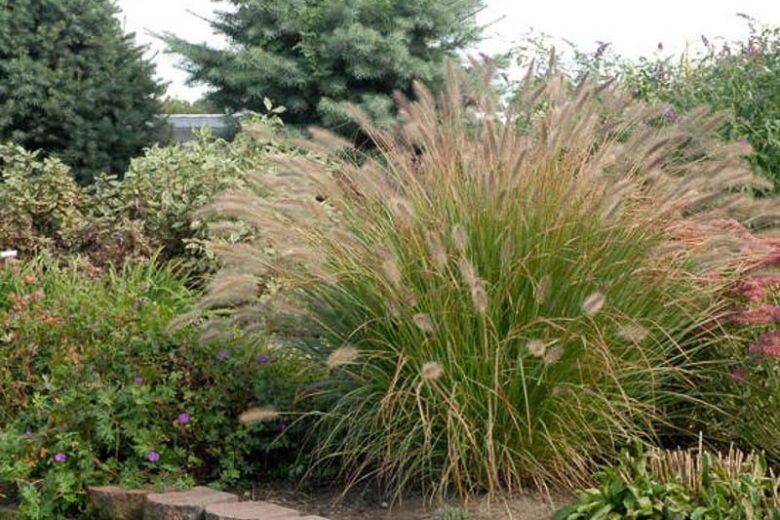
(367, 506)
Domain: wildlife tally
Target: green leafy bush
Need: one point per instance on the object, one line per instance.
(41, 203)
(45, 212)
(741, 76)
(496, 304)
(151, 209)
(163, 189)
(681, 485)
(96, 389)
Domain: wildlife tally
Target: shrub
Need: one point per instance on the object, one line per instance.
(682, 485)
(317, 57)
(744, 391)
(741, 76)
(75, 86)
(495, 303)
(42, 204)
(97, 390)
(151, 209)
(46, 212)
(162, 189)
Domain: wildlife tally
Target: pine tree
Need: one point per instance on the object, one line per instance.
(312, 56)
(74, 85)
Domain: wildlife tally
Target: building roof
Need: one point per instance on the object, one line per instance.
(197, 120)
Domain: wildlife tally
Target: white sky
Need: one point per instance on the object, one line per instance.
(633, 27)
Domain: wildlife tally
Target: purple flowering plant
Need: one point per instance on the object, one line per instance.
(127, 392)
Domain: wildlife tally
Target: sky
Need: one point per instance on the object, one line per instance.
(632, 27)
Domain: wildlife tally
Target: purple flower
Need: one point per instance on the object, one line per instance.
(60, 457)
(671, 115)
(138, 380)
(138, 304)
(229, 336)
(222, 355)
(146, 288)
(29, 434)
(184, 418)
(197, 322)
(602, 48)
(153, 456)
(264, 359)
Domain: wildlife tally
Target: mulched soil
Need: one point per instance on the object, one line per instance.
(365, 505)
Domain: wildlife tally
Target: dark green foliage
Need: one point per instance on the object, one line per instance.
(312, 56)
(74, 85)
(89, 369)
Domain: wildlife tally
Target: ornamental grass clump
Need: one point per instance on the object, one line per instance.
(498, 299)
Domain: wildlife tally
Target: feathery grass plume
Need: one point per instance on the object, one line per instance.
(431, 370)
(542, 289)
(587, 191)
(342, 356)
(257, 415)
(402, 210)
(392, 273)
(479, 296)
(230, 287)
(593, 304)
(438, 254)
(460, 238)
(467, 272)
(632, 332)
(536, 348)
(424, 322)
(553, 355)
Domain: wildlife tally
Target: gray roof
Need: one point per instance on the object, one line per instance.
(197, 120)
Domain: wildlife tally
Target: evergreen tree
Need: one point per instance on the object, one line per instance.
(312, 56)
(74, 85)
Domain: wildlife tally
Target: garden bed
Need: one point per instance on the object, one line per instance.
(365, 505)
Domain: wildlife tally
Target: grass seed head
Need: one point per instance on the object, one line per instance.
(342, 356)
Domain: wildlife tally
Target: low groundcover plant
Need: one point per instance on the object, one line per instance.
(499, 298)
(680, 484)
(96, 389)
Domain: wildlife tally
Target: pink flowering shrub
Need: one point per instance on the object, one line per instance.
(745, 395)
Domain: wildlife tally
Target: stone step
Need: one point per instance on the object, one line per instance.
(254, 511)
(184, 505)
(116, 503)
